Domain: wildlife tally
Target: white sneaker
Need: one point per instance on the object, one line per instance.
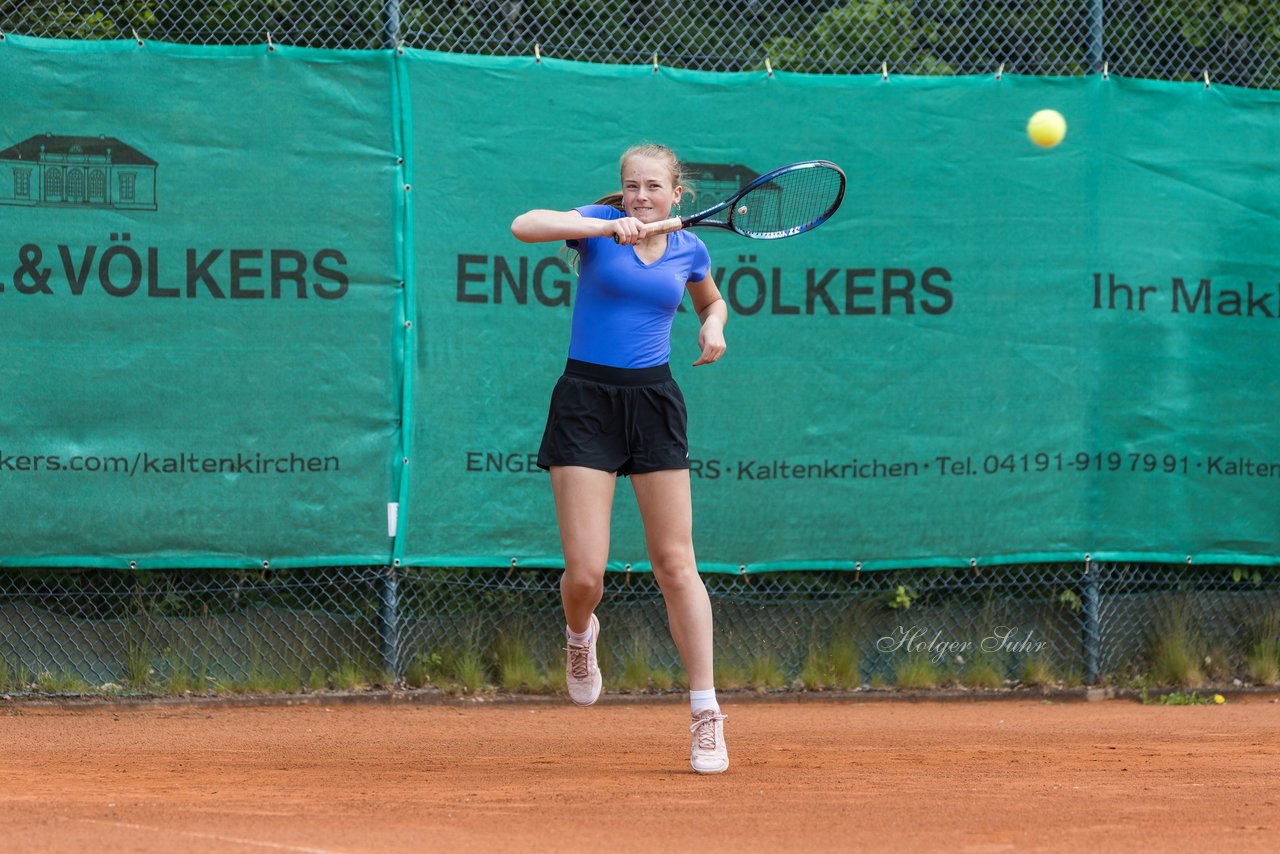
(581, 671)
(709, 754)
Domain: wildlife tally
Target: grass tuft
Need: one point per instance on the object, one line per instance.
(764, 672)
(468, 672)
(1037, 671)
(423, 669)
(636, 673)
(316, 679)
(833, 665)
(348, 676)
(60, 682)
(556, 681)
(138, 671)
(815, 671)
(1173, 655)
(729, 676)
(982, 672)
(662, 679)
(1262, 663)
(517, 668)
(183, 672)
(463, 668)
(265, 677)
(915, 672)
(14, 677)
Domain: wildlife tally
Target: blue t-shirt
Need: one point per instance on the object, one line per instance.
(623, 310)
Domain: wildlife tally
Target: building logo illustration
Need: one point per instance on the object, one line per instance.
(715, 181)
(54, 171)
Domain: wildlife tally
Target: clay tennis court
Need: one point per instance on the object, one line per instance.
(848, 775)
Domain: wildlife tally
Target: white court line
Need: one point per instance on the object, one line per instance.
(278, 846)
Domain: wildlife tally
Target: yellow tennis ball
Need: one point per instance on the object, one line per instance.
(1047, 128)
(1219, 699)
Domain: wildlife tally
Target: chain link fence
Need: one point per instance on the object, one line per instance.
(72, 631)
(1236, 43)
(461, 630)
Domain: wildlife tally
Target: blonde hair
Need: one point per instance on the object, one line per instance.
(656, 152)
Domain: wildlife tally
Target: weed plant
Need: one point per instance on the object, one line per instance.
(1216, 665)
(347, 676)
(636, 674)
(184, 672)
(833, 665)
(815, 671)
(729, 675)
(915, 672)
(271, 681)
(662, 679)
(517, 669)
(984, 671)
(13, 677)
(1073, 678)
(765, 672)
(464, 670)
(424, 669)
(1176, 698)
(1262, 664)
(470, 676)
(138, 669)
(1037, 671)
(463, 667)
(555, 680)
(60, 682)
(1173, 653)
(259, 679)
(1262, 661)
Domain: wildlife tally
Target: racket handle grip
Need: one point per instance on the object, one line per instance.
(664, 226)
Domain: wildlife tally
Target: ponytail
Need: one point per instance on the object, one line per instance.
(613, 200)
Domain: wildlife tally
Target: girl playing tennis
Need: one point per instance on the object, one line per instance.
(617, 411)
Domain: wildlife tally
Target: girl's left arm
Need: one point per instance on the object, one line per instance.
(713, 313)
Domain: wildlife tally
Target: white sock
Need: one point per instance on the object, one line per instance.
(699, 700)
(574, 637)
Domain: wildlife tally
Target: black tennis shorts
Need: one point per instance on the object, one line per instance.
(624, 420)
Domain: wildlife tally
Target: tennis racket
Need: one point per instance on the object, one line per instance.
(789, 200)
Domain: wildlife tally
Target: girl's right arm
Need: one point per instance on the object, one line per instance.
(542, 226)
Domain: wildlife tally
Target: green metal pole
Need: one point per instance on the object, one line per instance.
(389, 619)
(1096, 36)
(1092, 627)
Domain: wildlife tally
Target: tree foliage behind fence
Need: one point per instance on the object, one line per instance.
(1236, 43)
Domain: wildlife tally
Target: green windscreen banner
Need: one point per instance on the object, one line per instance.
(993, 351)
(264, 305)
(200, 287)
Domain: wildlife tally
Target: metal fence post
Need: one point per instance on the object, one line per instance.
(1092, 630)
(391, 24)
(389, 619)
(1097, 37)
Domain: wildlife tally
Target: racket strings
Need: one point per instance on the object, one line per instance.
(792, 202)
